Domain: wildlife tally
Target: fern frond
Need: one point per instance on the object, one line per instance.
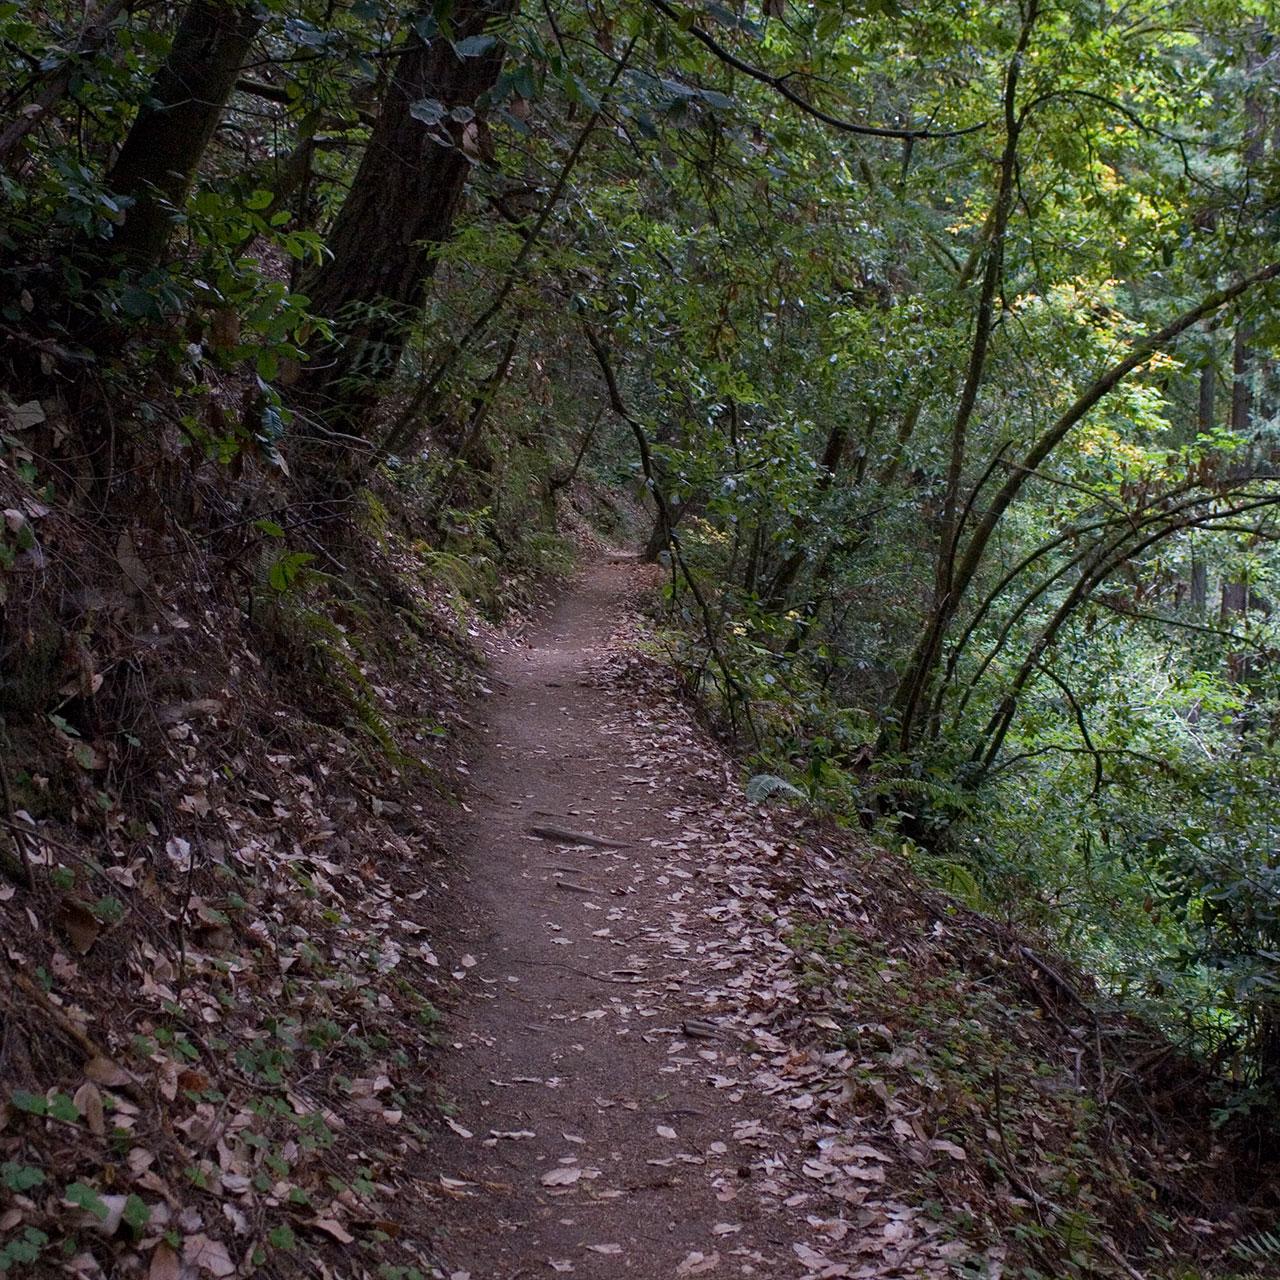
(1263, 1246)
(763, 786)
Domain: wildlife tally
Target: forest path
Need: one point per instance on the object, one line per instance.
(610, 1063)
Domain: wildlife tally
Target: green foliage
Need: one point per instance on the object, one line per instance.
(20, 1177)
(763, 786)
(22, 1250)
(1261, 1249)
(85, 1197)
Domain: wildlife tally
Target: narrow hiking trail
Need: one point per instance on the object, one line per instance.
(637, 1087)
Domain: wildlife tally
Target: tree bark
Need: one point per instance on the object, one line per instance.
(186, 100)
(1198, 587)
(401, 209)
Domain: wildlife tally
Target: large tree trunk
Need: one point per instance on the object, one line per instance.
(401, 208)
(186, 100)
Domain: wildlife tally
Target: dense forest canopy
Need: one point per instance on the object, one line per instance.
(940, 339)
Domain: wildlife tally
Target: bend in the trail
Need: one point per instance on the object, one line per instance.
(623, 1103)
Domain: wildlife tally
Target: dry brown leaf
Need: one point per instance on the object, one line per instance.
(105, 1072)
(697, 1263)
(89, 1101)
(165, 1264)
(80, 925)
(332, 1227)
(207, 1255)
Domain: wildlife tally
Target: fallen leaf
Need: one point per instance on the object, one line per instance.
(698, 1264)
(165, 1264)
(89, 1101)
(80, 925)
(331, 1226)
(207, 1255)
(105, 1072)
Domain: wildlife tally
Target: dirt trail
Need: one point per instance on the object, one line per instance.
(576, 1042)
(622, 1107)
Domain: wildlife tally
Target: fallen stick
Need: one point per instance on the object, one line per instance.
(574, 888)
(562, 836)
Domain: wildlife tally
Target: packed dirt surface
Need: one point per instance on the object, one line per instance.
(621, 1102)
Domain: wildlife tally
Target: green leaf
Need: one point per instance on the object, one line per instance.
(284, 573)
(136, 1214)
(63, 726)
(283, 1238)
(26, 1249)
(20, 1177)
(474, 46)
(32, 1103)
(62, 1108)
(85, 1197)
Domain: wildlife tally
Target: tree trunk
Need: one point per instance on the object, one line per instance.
(914, 690)
(664, 525)
(186, 100)
(400, 210)
(1198, 588)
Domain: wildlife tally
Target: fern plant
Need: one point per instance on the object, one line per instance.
(1262, 1249)
(764, 786)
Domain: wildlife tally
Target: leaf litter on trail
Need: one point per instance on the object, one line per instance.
(849, 1004)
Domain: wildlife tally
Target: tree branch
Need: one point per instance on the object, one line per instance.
(779, 85)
